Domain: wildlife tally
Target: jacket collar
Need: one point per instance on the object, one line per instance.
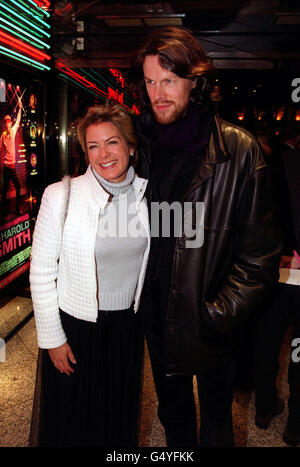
(217, 152)
(139, 185)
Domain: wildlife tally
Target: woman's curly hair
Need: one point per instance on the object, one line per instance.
(180, 52)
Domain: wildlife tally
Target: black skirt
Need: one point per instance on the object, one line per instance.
(98, 404)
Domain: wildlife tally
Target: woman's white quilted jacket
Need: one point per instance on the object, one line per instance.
(63, 269)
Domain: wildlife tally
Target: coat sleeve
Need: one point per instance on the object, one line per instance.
(44, 269)
(255, 267)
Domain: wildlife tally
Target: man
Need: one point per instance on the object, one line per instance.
(283, 306)
(8, 152)
(194, 297)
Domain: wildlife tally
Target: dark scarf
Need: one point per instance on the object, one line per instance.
(177, 150)
(189, 133)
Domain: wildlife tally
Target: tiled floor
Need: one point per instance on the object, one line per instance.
(17, 378)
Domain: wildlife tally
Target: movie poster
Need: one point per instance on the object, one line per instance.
(21, 128)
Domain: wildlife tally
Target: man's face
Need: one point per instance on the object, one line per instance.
(168, 93)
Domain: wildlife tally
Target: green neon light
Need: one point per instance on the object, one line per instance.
(96, 75)
(13, 20)
(21, 60)
(110, 83)
(85, 72)
(73, 81)
(25, 20)
(13, 54)
(40, 10)
(26, 33)
(22, 37)
(99, 77)
(29, 11)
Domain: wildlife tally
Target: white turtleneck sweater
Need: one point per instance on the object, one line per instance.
(120, 245)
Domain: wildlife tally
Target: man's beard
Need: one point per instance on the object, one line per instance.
(173, 114)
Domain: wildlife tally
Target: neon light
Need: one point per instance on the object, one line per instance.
(40, 8)
(14, 54)
(21, 60)
(7, 39)
(22, 49)
(118, 75)
(109, 83)
(114, 94)
(24, 32)
(36, 9)
(19, 35)
(20, 24)
(25, 20)
(41, 4)
(94, 75)
(30, 13)
(83, 81)
(68, 78)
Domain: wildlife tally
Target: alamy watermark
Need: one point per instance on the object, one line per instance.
(296, 92)
(183, 220)
(2, 351)
(295, 355)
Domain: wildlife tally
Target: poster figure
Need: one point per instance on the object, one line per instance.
(8, 156)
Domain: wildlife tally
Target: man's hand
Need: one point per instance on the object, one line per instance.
(20, 102)
(61, 356)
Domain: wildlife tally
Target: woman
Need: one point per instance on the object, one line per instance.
(86, 277)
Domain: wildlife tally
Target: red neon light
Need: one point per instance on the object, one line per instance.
(81, 79)
(114, 96)
(42, 3)
(21, 49)
(135, 109)
(118, 75)
(16, 43)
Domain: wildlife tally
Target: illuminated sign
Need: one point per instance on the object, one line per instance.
(15, 248)
(20, 185)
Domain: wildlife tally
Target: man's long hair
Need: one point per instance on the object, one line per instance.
(180, 52)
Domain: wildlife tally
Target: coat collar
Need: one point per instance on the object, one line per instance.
(216, 153)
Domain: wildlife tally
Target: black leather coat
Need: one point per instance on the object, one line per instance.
(216, 286)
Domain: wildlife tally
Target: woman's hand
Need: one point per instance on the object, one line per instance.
(60, 357)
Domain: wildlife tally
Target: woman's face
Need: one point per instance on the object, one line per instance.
(107, 150)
